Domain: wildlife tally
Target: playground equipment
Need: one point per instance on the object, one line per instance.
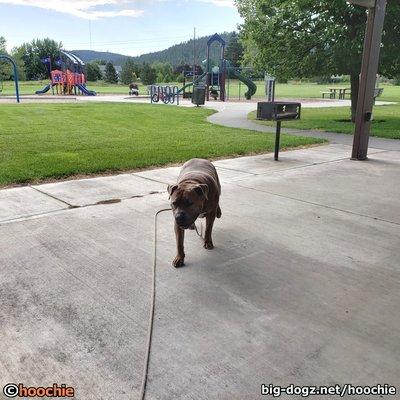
(9, 59)
(167, 94)
(233, 73)
(190, 76)
(270, 84)
(214, 77)
(70, 79)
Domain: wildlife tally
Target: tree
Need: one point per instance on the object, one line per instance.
(178, 70)
(148, 75)
(129, 70)
(4, 66)
(234, 50)
(6, 69)
(19, 61)
(34, 52)
(308, 38)
(164, 72)
(93, 72)
(3, 45)
(111, 75)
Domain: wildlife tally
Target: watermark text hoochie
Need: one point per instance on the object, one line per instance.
(12, 390)
(334, 390)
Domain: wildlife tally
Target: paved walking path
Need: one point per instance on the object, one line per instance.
(302, 287)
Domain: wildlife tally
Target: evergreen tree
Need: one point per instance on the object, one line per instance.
(2, 44)
(4, 66)
(164, 72)
(129, 69)
(234, 50)
(111, 75)
(93, 72)
(148, 75)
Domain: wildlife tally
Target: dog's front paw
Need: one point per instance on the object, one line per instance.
(179, 261)
(208, 245)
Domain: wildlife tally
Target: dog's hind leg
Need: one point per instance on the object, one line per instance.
(219, 212)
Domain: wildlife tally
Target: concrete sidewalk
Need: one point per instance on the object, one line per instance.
(303, 286)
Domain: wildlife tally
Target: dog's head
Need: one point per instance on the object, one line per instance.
(187, 201)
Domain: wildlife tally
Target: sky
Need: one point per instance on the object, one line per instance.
(130, 27)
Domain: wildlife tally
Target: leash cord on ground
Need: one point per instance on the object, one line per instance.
(152, 303)
(152, 306)
(200, 234)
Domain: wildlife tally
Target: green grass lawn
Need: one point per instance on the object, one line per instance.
(386, 122)
(305, 90)
(40, 141)
(30, 87)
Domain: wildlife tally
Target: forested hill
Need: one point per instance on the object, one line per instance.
(181, 53)
(91, 55)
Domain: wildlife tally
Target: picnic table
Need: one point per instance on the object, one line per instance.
(340, 90)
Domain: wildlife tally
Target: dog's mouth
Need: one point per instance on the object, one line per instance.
(185, 226)
(189, 225)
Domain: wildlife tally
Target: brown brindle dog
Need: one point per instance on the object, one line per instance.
(195, 195)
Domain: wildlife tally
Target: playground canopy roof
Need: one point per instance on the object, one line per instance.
(77, 59)
(72, 57)
(217, 38)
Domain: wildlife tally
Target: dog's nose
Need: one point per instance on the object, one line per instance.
(180, 218)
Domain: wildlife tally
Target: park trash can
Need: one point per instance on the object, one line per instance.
(199, 95)
(278, 111)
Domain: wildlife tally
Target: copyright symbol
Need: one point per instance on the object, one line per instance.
(10, 390)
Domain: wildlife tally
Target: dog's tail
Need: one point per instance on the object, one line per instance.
(219, 212)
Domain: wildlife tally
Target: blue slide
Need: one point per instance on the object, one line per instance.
(86, 91)
(44, 90)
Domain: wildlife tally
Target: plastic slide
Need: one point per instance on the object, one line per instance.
(44, 90)
(233, 74)
(86, 91)
(200, 78)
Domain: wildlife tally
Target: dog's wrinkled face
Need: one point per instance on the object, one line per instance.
(187, 200)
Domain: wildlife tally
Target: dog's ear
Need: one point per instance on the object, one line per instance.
(202, 190)
(171, 189)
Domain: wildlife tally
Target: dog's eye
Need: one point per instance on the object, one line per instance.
(174, 204)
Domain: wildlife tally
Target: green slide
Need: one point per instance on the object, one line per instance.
(233, 74)
(199, 79)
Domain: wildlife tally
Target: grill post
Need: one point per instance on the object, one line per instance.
(277, 139)
(278, 111)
